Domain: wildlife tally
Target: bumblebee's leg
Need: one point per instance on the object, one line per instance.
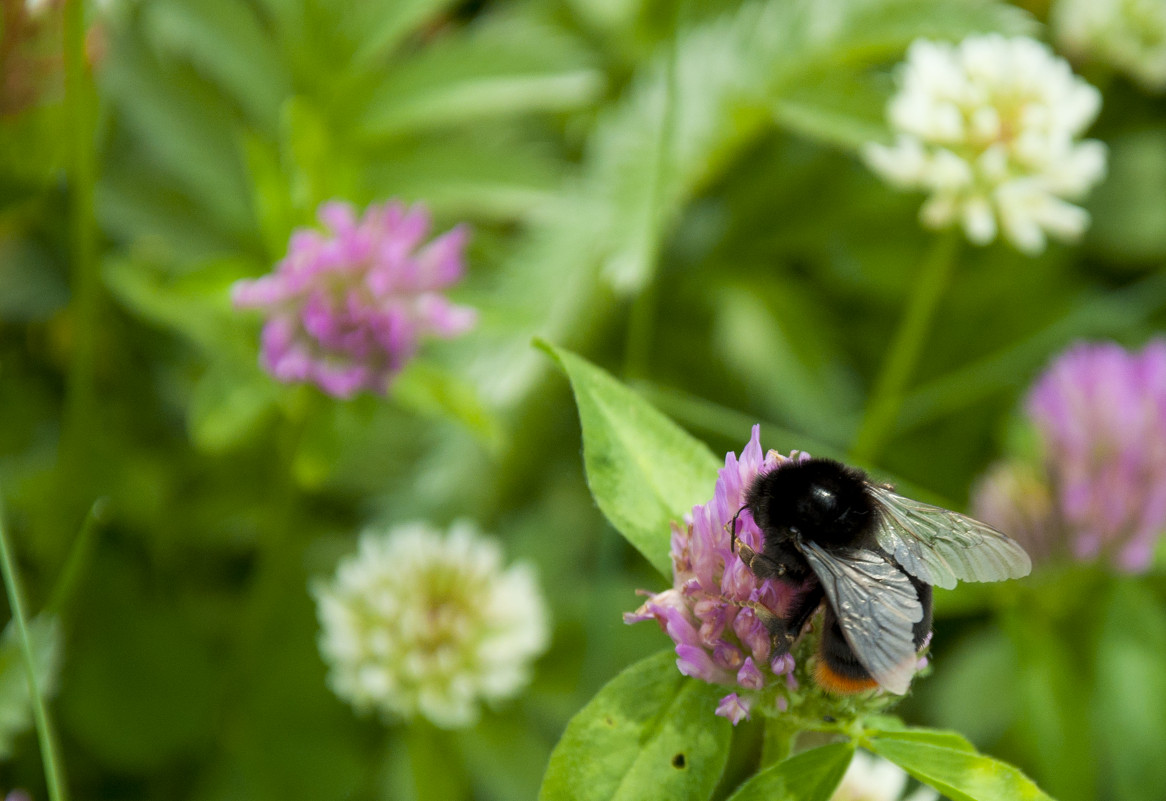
(774, 625)
(788, 629)
(784, 631)
(804, 607)
(759, 564)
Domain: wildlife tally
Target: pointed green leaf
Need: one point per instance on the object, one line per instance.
(810, 776)
(842, 109)
(959, 774)
(226, 42)
(381, 25)
(939, 737)
(643, 469)
(185, 126)
(650, 733)
(196, 305)
(497, 69)
(477, 173)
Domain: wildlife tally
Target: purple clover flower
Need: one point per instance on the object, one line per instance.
(709, 612)
(346, 310)
(1101, 411)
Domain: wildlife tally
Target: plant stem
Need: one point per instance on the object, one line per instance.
(54, 775)
(80, 389)
(436, 764)
(887, 396)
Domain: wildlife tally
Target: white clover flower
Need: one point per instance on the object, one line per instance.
(421, 623)
(871, 778)
(1127, 34)
(990, 128)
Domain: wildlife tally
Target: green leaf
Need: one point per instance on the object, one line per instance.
(196, 305)
(643, 469)
(841, 109)
(15, 701)
(478, 174)
(381, 25)
(650, 733)
(875, 30)
(1107, 314)
(938, 737)
(498, 69)
(812, 775)
(227, 43)
(958, 773)
(1130, 704)
(156, 215)
(185, 126)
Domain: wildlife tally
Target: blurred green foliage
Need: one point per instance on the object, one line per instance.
(669, 188)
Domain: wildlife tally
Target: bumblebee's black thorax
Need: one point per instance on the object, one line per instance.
(818, 500)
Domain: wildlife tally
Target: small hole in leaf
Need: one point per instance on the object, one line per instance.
(678, 762)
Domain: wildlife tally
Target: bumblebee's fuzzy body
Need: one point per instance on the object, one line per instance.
(829, 504)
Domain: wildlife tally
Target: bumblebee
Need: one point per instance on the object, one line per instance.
(872, 556)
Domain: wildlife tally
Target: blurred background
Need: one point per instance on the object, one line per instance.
(672, 190)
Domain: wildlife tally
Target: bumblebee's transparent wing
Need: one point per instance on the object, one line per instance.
(940, 546)
(877, 607)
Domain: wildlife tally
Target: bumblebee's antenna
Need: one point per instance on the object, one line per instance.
(733, 529)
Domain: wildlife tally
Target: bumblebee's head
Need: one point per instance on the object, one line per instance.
(817, 499)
